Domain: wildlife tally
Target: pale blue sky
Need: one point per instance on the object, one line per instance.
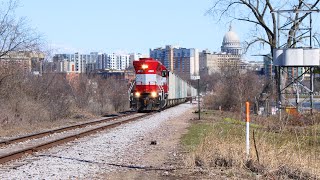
(125, 25)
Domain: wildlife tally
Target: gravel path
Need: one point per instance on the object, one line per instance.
(109, 151)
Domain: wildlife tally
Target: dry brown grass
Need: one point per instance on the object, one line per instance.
(18, 129)
(290, 151)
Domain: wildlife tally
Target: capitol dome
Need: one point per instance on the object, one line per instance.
(231, 43)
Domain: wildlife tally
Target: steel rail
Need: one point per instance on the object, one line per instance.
(48, 144)
(58, 130)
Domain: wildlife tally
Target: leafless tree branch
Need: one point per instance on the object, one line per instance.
(15, 35)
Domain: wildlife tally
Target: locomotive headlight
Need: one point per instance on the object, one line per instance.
(137, 94)
(144, 66)
(154, 94)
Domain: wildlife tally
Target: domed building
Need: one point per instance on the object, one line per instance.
(230, 55)
(231, 43)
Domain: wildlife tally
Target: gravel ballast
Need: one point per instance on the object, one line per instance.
(108, 151)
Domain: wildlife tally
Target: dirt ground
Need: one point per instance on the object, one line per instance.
(167, 159)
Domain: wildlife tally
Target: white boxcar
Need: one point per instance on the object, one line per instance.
(193, 91)
(172, 85)
(179, 88)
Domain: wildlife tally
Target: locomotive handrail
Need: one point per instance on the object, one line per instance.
(130, 89)
(162, 93)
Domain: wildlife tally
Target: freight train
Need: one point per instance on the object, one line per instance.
(155, 88)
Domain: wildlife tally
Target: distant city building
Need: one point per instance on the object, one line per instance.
(256, 66)
(111, 62)
(123, 61)
(164, 55)
(268, 66)
(182, 61)
(117, 61)
(24, 60)
(75, 63)
(86, 63)
(208, 62)
(230, 55)
(231, 43)
(91, 62)
(118, 74)
(135, 57)
(66, 66)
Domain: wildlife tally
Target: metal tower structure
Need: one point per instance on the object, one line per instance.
(294, 31)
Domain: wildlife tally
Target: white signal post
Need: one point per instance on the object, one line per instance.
(247, 129)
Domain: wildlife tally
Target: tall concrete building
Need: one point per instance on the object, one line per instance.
(164, 55)
(182, 61)
(70, 62)
(86, 63)
(229, 56)
(98, 59)
(117, 61)
(76, 63)
(268, 67)
(63, 63)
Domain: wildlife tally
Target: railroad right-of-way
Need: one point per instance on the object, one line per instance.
(107, 151)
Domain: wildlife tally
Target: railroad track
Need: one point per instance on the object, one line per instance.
(16, 148)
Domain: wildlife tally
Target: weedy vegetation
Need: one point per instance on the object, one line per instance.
(287, 149)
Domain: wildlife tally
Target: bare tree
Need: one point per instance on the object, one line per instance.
(102, 95)
(233, 88)
(15, 35)
(117, 94)
(81, 90)
(258, 13)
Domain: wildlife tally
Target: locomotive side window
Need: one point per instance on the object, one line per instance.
(164, 73)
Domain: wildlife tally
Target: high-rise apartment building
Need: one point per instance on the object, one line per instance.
(182, 61)
(117, 61)
(86, 63)
(76, 63)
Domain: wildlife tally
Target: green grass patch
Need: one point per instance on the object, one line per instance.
(196, 134)
(228, 130)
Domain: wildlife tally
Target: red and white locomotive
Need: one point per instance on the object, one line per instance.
(155, 87)
(150, 89)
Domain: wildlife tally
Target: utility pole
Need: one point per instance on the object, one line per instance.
(197, 78)
(199, 97)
